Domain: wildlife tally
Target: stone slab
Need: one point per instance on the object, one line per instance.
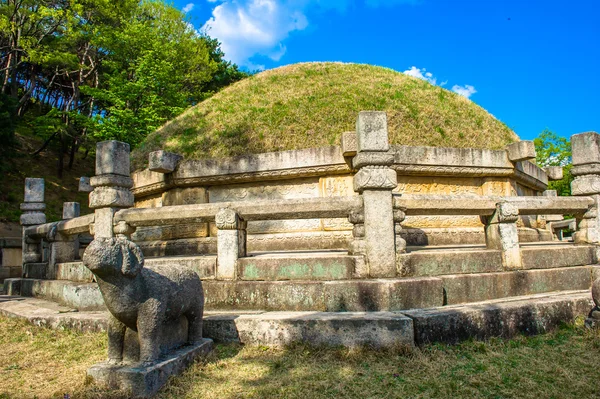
(73, 271)
(145, 382)
(440, 262)
(505, 319)
(112, 157)
(9, 272)
(486, 286)
(521, 150)
(557, 256)
(82, 296)
(300, 267)
(329, 296)
(349, 329)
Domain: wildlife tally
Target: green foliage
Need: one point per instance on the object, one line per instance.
(554, 150)
(102, 69)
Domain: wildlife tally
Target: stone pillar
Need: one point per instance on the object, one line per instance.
(231, 242)
(375, 181)
(585, 148)
(501, 234)
(111, 185)
(63, 248)
(33, 214)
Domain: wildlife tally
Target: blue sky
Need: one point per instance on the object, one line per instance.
(533, 64)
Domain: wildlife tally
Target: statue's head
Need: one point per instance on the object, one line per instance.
(112, 256)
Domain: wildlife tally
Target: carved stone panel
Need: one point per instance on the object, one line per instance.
(185, 196)
(153, 201)
(340, 186)
(300, 188)
(439, 185)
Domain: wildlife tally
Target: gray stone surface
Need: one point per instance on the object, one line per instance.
(521, 151)
(84, 185)
(371, 131)
(82, 296)
(35, 270)
(112, 157)
(501, 234)
(299, 267)
(148, 301)
(554, 172)
(163, 161)
(349, 145)
(71, 210)
(465, 288)
(506, 319)
(349, 329)
(585, 148)
(558, 256)
(34, 189)
(146, 381)
(438, 262)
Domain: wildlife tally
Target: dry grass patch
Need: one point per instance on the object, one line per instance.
(42, 363)
(311, 104)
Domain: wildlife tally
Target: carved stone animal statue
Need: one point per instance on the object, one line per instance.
(145, 300)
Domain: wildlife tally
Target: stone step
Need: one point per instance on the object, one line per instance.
(340, 295)
(536, 314)
(505, 318)
(466, 288)
(9, 272)
(461, 260)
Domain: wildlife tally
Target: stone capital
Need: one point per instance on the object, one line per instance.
(375, 179)
(114, 197)
(588, 169)
(228, 219)
(585, 148)
(111, 180)
(112, 158)
(586, 185)
(33, 206)
(363, 159)
(31, 219)
(505, 213)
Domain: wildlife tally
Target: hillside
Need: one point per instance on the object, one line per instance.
(310, 105)
(16, 164)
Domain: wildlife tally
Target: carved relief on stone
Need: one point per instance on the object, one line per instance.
(375, 178)
(228, 219)
(586, 185)
(496, 187)
(339, 186)
(507, 212)
(438, 185)
(302, 188)
(441, 221)
(283, 226)
(185, 196)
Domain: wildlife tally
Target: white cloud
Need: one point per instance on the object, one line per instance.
(254, 27)
(188, 7)
(247, 28)
(421, 73)
(465, 91)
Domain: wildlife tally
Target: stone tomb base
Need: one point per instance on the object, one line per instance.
(145, 381)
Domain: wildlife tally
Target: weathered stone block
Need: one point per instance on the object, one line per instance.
(163, 161)
(33, 206)
(554, 172)
(371, 131)
(112, 157)
(117, 197)
(71, 210)
(558, 256)
(84, 185)
(375, 179)
(29, 219)
(350, 329)
(521, 151)
(35, 270)
(433, 263)
(145, 382)
(335, 267)
(34, 189)
(185, 196)
(585, 185)
(585, 148)
(349, 144)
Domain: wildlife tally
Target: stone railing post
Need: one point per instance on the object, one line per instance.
(231, 242)
(63, 248)
(375, 181)
(549, 219)
(111, 185)
(501, 234)
(585, 148)
(33, 208)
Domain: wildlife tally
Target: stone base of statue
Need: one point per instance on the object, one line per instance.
(142, 381)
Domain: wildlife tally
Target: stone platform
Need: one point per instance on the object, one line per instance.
(532, 314)
(145, 381)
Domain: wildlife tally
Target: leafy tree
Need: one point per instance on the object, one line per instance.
(554, 150)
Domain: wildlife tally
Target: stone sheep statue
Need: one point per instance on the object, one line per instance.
(154, 302)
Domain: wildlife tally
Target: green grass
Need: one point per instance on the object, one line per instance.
(37, 362)
(311, 104)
